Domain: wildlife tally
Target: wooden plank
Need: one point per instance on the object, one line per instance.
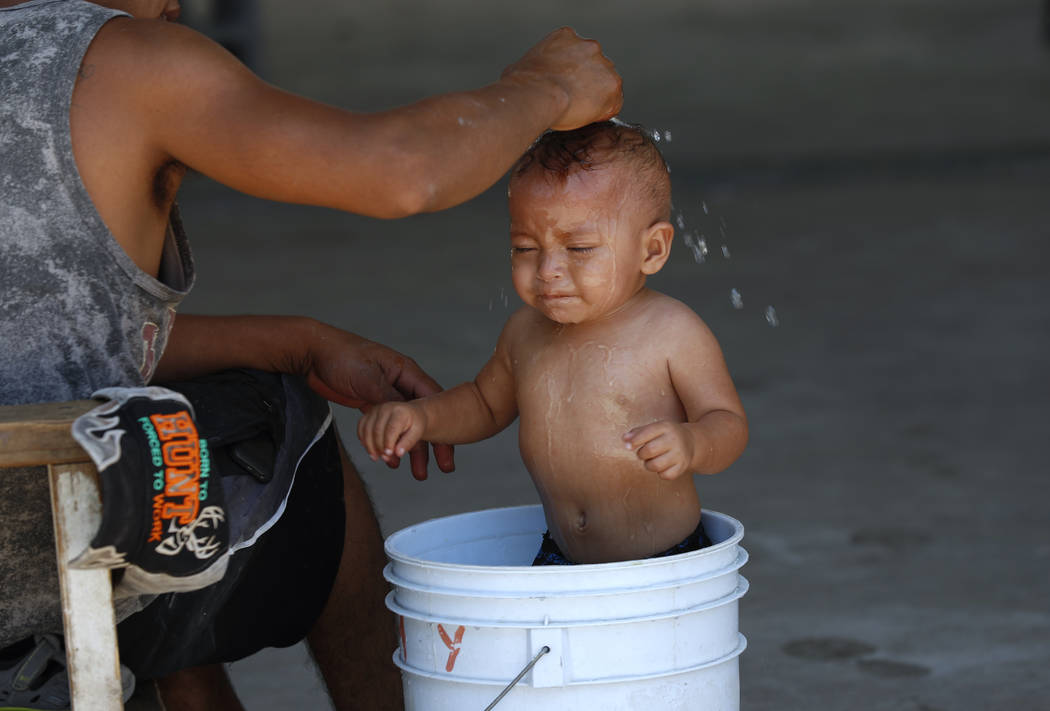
(87, 595)
(39, 434)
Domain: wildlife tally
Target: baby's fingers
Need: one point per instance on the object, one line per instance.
(374, 430)
(407, 437)
(666, 466)
(646, 440)
(365, 428)
(395, 426)
(640, 437)
(655, 448)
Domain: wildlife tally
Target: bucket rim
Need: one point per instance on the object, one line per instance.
(394, 555)
(742, 586)
(392, 577)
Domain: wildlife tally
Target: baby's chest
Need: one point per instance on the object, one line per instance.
(594, 380)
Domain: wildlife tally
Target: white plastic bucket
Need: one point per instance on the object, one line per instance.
(660, 633)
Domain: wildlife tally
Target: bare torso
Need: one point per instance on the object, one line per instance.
(579, 388)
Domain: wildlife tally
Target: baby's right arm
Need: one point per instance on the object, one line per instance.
(466, 413)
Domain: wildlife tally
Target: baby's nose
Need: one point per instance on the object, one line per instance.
(552, 266)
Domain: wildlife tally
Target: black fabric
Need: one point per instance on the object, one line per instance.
(550, 552)
(163, 511)
(275, 589)
(272, 592)
(250, 413)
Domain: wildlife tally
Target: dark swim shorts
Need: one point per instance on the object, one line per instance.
(550, 553)
(273, 443)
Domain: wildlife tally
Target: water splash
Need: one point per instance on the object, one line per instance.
(697, 245)
(725, 251)
(771, 317)
(679, 220)
(736, 299)
(667, 136)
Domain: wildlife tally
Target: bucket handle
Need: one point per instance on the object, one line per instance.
(543, 650)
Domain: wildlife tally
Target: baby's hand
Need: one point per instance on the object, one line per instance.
(390, 429)
(665, 447)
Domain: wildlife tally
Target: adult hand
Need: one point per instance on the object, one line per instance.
(576, 66)
(353, 371)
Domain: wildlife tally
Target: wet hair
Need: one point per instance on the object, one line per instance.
(597, 145)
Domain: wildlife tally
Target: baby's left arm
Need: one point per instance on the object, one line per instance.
(715, 431)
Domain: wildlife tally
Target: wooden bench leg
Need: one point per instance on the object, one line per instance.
(87, 595)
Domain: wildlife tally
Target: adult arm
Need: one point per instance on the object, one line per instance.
(341, 366)
(194, 103)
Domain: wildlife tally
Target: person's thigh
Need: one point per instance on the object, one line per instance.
(288, 519)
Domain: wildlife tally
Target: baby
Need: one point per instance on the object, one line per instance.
(623, 392)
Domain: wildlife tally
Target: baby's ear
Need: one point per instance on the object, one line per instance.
(657, 246)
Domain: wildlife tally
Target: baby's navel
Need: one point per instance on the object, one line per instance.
(581, 522)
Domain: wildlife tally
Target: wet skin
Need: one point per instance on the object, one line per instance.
(586, 368)
(578, 389)
(622, 392)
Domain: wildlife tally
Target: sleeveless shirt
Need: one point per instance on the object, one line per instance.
(76, 313)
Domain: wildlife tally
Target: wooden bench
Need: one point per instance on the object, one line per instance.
(40, 436)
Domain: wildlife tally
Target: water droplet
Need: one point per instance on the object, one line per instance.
(771, 317)
(490, 304)
(667, 136)
(697, 245)
(725, 251)
(736, 299)
(704, 204)
(680, 221)
(656, 136)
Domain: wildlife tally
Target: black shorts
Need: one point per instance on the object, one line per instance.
(275, 446)
(550, 552)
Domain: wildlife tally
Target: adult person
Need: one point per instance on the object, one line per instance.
(106, 106)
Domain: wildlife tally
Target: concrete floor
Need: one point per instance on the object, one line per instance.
(879, 174)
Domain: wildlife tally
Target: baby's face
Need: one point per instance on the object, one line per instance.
(577, 246)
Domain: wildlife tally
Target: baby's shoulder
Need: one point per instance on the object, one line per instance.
(521, 327)
(675, 325)
(523, 320)
(670, 311)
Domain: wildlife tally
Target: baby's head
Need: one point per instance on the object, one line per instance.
(589, 213)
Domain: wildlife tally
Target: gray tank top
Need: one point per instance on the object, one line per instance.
(76, 314)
